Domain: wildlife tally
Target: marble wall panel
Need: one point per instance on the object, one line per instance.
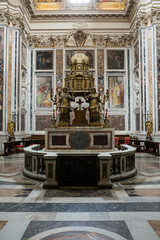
(158, 74)
(42, 122)
(150, 88)
(59, 70)
(117, 122)
(10, 58)
(100, 65)
(136, 53)
(1, 75)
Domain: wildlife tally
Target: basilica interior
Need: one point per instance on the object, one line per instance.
(80, 119)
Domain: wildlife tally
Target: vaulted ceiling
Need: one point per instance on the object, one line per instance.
(44, 9)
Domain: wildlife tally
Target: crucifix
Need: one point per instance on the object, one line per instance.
(80, 103)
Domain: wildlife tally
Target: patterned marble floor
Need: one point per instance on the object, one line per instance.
(129, 211)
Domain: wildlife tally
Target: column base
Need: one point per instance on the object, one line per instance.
(50, 184)
(104, 184)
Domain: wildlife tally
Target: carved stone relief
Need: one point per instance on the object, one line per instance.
(118, 41)
(136, 88)
(79, 38)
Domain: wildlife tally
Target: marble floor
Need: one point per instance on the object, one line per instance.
(131, 210)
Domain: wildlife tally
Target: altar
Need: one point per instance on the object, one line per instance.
(79, 146)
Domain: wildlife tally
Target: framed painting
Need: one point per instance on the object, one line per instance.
(89, 53)
(115, 59)
(111, 4)
(136, 53)
(48, 5)
(116, 91)
(44, 60)
(43, 87)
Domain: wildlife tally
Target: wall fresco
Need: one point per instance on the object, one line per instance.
(42, 122)
(44, 85)
(116, 91)
(1, 75)
(117, 122)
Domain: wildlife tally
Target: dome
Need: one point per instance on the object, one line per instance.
(80, 58)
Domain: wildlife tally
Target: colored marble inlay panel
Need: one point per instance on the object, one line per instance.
(155, 224)
(31, 85)
(129, 96)
(100, 65)
(11, 167)
(137, 122)
(158, 74)
(81, 228)
(5, 192)
(136, 54)
(59, 69)
(1, 75)
(59, 140)
(117, 122)
(150, 83)
(141, 66)
(10, 75)
(86, 235)
(43, 122)
(143, 192)
(2, 224)
(78, 193)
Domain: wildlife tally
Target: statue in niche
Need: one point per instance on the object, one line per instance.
(64, 105)
(94, 105)
(149, 128)
(10, 128)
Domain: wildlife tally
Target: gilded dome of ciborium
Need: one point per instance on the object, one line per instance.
(79, 58)
(79, 80)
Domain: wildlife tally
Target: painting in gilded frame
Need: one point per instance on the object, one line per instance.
(136, 53)
(48, 5)
(44, 60)
(111, 4)
(88, 53)
(116, 91)
(44, 85)
(115, 59)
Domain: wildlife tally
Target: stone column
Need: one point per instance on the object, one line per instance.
(104, 161)
(50, 161)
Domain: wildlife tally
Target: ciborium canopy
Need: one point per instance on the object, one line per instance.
(79, 80)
